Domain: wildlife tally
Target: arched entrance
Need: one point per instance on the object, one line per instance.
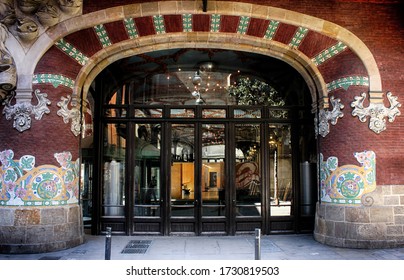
(203, 141)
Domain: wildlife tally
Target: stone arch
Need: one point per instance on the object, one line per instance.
(332, 40)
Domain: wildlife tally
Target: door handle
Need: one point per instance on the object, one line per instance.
(196, 202)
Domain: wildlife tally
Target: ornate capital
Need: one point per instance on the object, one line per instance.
(21, 112)
(8, 72)
(376, 111)
(70, 114)
(325, 116)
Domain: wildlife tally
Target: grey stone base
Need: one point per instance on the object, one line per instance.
(367, 227)
(40, 229)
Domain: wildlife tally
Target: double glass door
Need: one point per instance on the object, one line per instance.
(199, 176)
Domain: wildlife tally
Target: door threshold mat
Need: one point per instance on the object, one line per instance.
(50, 258)
(137, 247)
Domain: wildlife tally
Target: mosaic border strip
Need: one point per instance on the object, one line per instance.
(159, 25)
(187, 25)
(346, 82)
(271, 30)
(54, 79)
(301, 32)
(243, 25)
(215, 22)
(131, 28)
(102, 35)
(329, 53)
(72, 52)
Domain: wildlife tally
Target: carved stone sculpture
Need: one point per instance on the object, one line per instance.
(70, 7)
(326, 116)
(48, 15)
(69, 114)
(21, 112)
(27, 29)
(376, 111)
(8, 73)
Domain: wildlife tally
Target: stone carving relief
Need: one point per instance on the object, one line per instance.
(376, 111)
(26, 19)
(325, 116)
(8, 73)
(70, 114)
(21, 112)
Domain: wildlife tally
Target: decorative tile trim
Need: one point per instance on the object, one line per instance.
(54, 79)
(131, 28)
(72, 52)
(215, 21)
(187, 22)
(349, 183)
(243, 25)
(346, 82)
(23, 184)
(159, 25)
(271, 30)
(298, 37)
(329, 53)
(102, 35)
(376, 111)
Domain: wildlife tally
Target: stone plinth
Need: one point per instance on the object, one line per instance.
(379, 225)
(40, 229)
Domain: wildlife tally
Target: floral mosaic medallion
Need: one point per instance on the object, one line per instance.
(23, 184)
(348, 183)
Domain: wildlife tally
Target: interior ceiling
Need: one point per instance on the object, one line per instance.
(280, 75)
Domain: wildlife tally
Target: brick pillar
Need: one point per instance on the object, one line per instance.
(39, 184)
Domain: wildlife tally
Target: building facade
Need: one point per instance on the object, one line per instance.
(201, 117)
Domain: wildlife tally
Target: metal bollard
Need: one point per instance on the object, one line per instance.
(257, 244)
(108, 244)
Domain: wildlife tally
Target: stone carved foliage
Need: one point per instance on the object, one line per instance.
(376, 111)
(31, 16)
(21, 112)
(69, 114)
(325, 116)
(8, 72)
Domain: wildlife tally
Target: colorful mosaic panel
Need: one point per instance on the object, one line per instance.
(271, 30)
(298, 37)
(329, 53)
(23, 184)
(55, 80)
(215, 20)
(131, 28)
(159, 26)
(102, 35)
(346, 82)
(71, 51)
(243, 25)
(187, 22)
(348, 183)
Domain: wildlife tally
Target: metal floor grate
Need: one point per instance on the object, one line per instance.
(137, 247)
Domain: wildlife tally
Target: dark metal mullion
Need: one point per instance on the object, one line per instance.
(231, 174)
(265, 174)
(198, 177)
(166, 174)
(129, 175)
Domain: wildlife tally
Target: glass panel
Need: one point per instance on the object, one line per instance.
(213, 113)
(149, 113)
(278, 114)
(147, 170)
(182, 170)
(118, 97)
(281, 169)
(182, 113)
(115, 112)
(213, 170)
(247, 113)
(113, 199)
(248, 170)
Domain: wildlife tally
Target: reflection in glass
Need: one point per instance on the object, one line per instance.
(182, 170)
(248, 170)
(281, 174)
(114, 171)
(213, 170)
(147, 170)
